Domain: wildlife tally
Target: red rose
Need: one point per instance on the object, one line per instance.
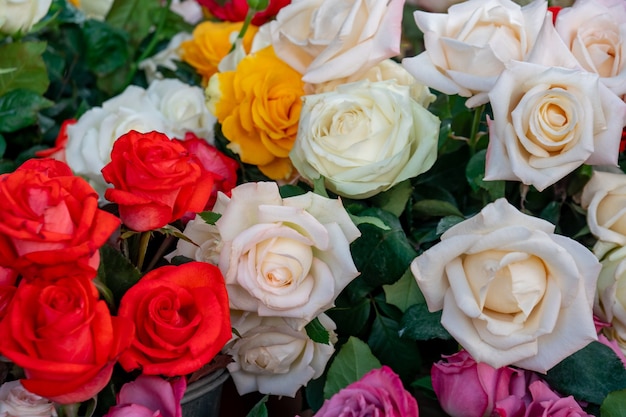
(182, 318)
(50, 223)
(236, 10)
(155, 180)
(64, 338)
(8, 279)
(222, 168)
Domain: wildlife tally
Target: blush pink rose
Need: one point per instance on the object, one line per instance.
(378, 393)
(546, 403)
(149, 396)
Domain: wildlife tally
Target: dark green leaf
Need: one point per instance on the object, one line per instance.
(589, 374)
(137, 17)
(475, 173)
(317, 332)
(180, 259)
(350, 316)
(21, 66)
(447, 222)
(614, 405)
(19, 108)
(404, 293)
(259, 409)
(552, 212)
(420, 324)
(314, 392)
(107, 48)
(116, 271)
(3, 146)
(289, 190)
(354, 360)
(436, 208)
(395, 199)
(209, 217)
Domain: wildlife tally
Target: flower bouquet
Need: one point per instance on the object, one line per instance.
(377, 207)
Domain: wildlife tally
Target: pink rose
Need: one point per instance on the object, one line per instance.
(546, 403)
(379, 392)
(149, 396)
(470, 389)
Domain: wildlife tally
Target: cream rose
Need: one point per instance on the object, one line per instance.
(596, 35)
(326, 40)
(16, 401)
(272, 358)
(550, 117)
(468, 48)
(21, 15)
(610, 303)
(512, 292)
(364, 138)
(280, 257)
(167, 106)
(604, 198)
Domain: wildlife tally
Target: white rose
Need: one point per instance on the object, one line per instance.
(280, 257)
(596, 35)
(610, 303)
(385, 70)
(604, 198)
(272, 358)
(21, 15)
(204, 243)
(550, 119)
(468, 48)
(364, 138)
(16, 401)
(512, 291)
(325, 40)
(165, 58)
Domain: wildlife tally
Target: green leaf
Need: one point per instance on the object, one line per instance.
(3, 146)
(116, 271)
(19, 108)
(107, 47)
(314, 392)
(404, 293)
(420, 324)
(317, 332)
(209, 217)
(136, 17)
(402, 355)
(436, 208)
(259, 409)
(350, 315)
(447, 222)
(589, 374)
(395, 199)
(22, 66)
(181, 259)
(354, 360)
(614, 405)
(475, 172)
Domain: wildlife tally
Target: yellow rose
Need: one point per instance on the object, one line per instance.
(210, 43)
(258, 106)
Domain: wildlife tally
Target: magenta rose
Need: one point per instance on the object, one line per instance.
(547, 403)
(149, 396)
(379, 392)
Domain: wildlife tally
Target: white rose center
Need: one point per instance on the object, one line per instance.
(506, 282)
(282, 262)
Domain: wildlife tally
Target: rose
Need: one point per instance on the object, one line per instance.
(155, 180)
(8, 279)
(467, 48)
(148, 395)
(63, 337)
(166, 58)
(271, 357)
(378, 392)
(512, 292)
(258, 105)
(280, 257)
(466, 388)
(550, 119)
(159, 108)
(596, 35)
(20, 15)
(15, 401)
(50, 223)
(211, 42)
(325, 40)
(182, 319)
(604, 198)
(610, 303)
(547, 403)
(364, 138)
(236, 10)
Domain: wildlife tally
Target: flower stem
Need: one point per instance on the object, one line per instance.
(143, 248)
(474, 137)
(68, 410)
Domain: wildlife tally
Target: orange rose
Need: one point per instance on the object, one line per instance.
(64, 338)
(259, 106)
(182, 319)
(211, 42)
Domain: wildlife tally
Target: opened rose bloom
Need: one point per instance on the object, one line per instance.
(364, 138)
(378, 392)
(271, 357)
(148, 396)
(182, 319)
(155, 180)
(50, 224)
(512, 291)
(236, 10)
(20, 16)
(280, 257)
(549, 118)
(604, 198)
(64, 337)
(610, 304)
(15, 401)
(326, 40)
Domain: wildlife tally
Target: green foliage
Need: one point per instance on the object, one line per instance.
(22, 67)
(420, 324)
(353, 360)
(259, 409)
(19, 109)
(614, 405)
(404, 293)
(317, 332)
(116, 272)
